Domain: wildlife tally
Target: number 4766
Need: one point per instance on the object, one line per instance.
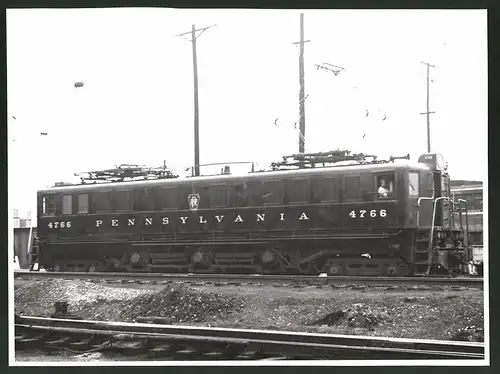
(365, 213)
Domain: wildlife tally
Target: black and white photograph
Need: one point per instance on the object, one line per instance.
(248, 187)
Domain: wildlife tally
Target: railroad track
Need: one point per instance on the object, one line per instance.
(203, 343)
(468, 282)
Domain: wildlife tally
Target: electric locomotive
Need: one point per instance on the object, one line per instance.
(308, 214)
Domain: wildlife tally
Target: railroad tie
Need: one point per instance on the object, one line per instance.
(212, 356)
(161, 351)
(23, 342)
(81, 345)
(186, 354)
(59, 342)
(132, 348)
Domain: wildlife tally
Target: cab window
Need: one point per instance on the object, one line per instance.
(67, 204)
(83, 203)
(413, 183)
(49, 205)
(385, 185)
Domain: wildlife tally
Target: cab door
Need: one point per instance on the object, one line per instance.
(419, 184)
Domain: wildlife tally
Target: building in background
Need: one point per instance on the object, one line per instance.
(472, 192)
(23, 222)
(22, 219)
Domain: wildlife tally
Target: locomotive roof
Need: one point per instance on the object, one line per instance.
(267, 175)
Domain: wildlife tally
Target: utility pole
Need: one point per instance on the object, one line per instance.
(302, 109)
(428, 112)
(196, 109)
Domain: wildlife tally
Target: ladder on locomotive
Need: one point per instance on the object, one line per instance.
(423, 240)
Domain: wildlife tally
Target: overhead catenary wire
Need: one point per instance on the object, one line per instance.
(369, 114)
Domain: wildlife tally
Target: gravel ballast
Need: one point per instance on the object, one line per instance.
(424, 314)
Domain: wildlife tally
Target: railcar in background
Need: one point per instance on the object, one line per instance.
(309, 214)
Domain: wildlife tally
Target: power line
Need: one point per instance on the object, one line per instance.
(331, 68)
(302, 108)
(428, 112)
(196, 108)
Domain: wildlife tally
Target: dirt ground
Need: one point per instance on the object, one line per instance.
(372, 311)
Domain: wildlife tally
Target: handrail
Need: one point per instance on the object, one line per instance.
(418, 207)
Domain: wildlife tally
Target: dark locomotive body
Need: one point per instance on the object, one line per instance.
(308, 220)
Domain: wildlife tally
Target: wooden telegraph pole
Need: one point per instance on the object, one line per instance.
(302, 107)
(196, 108)
(428, 112)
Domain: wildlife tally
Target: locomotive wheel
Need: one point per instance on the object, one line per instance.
(269, 261)
(92, 269)
(312, 269)
(268, 257)
(201, 259)
(273, 259)
(333, 268)
(392, 270)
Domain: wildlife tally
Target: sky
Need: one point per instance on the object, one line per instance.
(136, 105)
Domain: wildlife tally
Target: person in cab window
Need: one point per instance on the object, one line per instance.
(383, 190)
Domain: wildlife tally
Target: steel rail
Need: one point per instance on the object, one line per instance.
(292, 344)
(244, 278)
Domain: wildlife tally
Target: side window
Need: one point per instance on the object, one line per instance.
(182, 193)
(352, 188)
(101, 202)
(142, 200)
(385, 185)
(430, 181)
(474, 202)
(413, 183)
(298, 191)
(83, 203)
(166, 198)
(255, 192)
(49, 205)
(323, 190)
(238, 194)
(67, 204)
(265, 193)
(273, 192)
(205, 193)
(218, 196)
(121, 200)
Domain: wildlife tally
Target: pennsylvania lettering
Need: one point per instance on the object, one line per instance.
(148, 221)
